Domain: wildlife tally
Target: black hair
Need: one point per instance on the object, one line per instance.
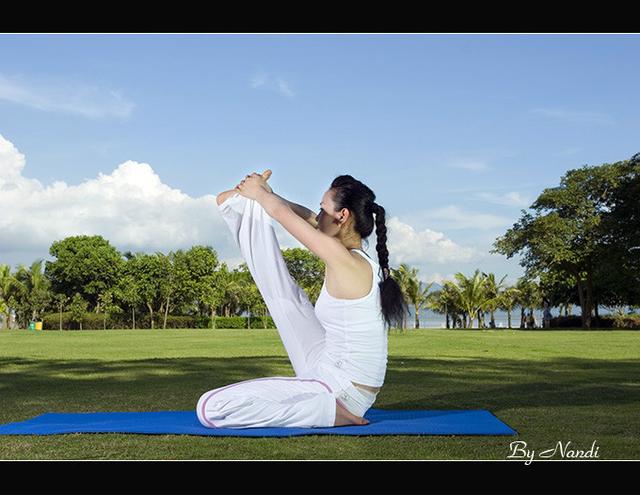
(359, 199)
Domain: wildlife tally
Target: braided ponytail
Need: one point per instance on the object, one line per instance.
(360, 201)
(381, 245)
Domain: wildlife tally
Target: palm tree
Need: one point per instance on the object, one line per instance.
(452, 304)
(507, 301)
(416, 295)
(472, 295)
(403, 276)
(36, 287)
(493, 291)
(7, 286)
(442, 302)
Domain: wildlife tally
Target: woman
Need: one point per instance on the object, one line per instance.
(338, 349)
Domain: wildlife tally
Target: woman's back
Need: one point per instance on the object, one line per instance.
(356, 334)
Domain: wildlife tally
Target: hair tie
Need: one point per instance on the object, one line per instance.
(386, 273)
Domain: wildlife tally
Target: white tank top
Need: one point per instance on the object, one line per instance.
(356, 338)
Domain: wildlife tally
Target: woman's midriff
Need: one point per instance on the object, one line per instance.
(374, 390)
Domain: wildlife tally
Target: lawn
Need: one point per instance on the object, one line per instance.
(551, 386)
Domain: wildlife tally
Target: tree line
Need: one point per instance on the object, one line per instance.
(90, 275)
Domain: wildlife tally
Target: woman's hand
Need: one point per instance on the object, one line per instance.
(252, 185)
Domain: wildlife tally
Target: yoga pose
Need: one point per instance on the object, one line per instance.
(338, 349)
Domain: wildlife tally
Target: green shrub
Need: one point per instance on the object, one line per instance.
(256, 322)
(575, 321)
(173, 321)
(93, 321)
(90, 321)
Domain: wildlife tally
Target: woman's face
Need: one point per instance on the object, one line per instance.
(329, 221)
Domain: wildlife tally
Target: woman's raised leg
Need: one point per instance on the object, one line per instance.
(252, 229)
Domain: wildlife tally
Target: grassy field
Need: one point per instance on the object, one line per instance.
(551, 386)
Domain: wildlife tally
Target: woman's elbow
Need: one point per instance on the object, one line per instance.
(221, 197)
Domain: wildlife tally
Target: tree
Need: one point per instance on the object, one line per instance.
(233, 287)
(60, 301)
(619, 269)
(564, 234)
(493, 292)
(36, 294)
(416, 293)
(87, 265)
(306, 269)
(212, 294)
(251, 300)
(508, 300)
(151, 274)
(471, 292)
(195, 278)
(128, 290)
(78, 308)
(528, 297)
(403, 276)
(8, 285)
(108, 306)
(168, 285)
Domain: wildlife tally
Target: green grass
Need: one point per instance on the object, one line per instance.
(550, 386)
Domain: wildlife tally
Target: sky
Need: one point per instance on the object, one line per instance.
(132, 136)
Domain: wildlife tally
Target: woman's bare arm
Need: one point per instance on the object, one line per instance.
(301, 211)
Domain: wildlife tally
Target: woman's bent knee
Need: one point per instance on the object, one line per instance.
(211, 406)
(201, 410)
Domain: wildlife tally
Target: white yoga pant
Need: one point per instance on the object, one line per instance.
(309, 398)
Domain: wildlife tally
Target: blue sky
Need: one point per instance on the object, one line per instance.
(456, 133)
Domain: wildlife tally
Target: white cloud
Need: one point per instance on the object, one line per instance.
(259, 80)
(283, 87)
(130, 207)
(575, 116)
(512, 198)
(569, 151)
(407, 245)
(439, 278)
(56, 95)
(454, 217)
(472, 165)
(272, 83)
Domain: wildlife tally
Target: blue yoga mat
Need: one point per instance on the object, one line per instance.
(382, 422)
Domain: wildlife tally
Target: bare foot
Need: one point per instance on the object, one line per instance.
(344, 417)
(265, 175)
(221, 197)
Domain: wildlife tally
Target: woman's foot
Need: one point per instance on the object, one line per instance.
(266, 175)
(344, 417)
(221, 198)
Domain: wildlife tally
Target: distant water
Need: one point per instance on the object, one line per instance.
(429, 319)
